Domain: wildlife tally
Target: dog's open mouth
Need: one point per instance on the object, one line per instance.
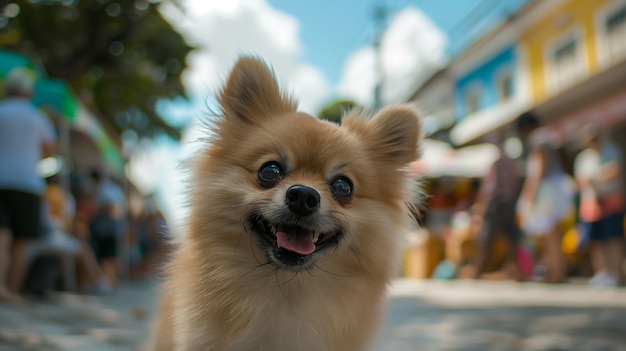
(291, 245)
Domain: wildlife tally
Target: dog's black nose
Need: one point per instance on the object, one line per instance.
(302, 200)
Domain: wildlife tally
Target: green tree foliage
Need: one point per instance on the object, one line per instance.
(334, 111)
(120, 56)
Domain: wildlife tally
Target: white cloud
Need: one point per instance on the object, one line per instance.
(222, 30)
(412, 48)
(359, 77)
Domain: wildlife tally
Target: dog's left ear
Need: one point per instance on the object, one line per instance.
(396, 134)
(252, 93)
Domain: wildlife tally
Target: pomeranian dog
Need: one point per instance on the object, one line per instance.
(296, 225)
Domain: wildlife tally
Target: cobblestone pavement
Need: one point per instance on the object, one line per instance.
(423, 315)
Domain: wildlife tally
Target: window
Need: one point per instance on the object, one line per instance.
(474, 99)
(610, 27)
(505, 86)
(615, 29)
(567, 63)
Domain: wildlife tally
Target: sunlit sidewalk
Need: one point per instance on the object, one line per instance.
(73, 322)
(423, 315)
(503, 315)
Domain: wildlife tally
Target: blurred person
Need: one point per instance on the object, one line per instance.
(26, 136)
(83, 192)
(495, 210)
(598, 171)
(64, 215)
(91, 278)
(56, 245)
(460, 246)
(526, 125)
(61, 204)
(151, 231)
(546, 200)
(107, 227)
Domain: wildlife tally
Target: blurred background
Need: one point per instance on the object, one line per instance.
(523, 104)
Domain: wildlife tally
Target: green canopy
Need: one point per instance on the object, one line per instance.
(9, 60)
(54, 94)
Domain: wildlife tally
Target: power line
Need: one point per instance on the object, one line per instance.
(477, 14)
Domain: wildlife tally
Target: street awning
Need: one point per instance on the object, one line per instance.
(88, 124)
(481, 123)
(54, 94)
(440, 159)
(605, 113)
(10, 60)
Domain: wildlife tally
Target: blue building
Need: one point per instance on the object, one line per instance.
(488, 85)
(491, 86)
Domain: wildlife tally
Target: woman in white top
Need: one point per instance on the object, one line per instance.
(546, 200)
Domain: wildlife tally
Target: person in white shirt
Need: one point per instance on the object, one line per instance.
(547, 199)
(26, 136)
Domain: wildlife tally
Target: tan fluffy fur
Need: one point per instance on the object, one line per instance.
(221, 293)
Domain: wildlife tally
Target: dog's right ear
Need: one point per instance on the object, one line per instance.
(252, 94)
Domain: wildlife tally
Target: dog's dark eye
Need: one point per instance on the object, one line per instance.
(342, 188)
(270, 174)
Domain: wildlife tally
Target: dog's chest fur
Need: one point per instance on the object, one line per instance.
(275, 313)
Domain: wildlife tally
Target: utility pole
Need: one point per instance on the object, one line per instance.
(380, 22)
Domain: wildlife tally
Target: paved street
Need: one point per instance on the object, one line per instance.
(485, 316)
(458, 315)
(73, 323)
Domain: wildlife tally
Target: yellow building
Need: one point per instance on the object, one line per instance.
(569, 41)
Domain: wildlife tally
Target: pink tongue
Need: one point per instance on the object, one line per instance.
(299, 243)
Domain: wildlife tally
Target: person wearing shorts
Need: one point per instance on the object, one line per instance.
(598, 170)
(105, 231)
(108, 227)
(26, 136)
(608, 228)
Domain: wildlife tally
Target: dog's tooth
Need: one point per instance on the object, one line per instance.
(278, 243)
(316, 236)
